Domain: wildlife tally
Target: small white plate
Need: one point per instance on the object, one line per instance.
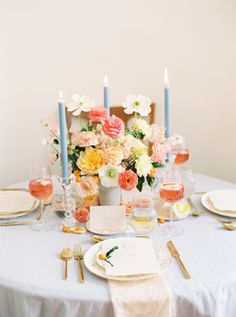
(104, 232)
(10, 194)
(91, 263)
(206, 202)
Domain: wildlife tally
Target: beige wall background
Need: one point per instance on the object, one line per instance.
(46, 46)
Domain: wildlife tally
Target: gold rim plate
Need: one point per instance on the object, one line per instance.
(18, 213)
(90, 262)
(209, 206)
(104, 232)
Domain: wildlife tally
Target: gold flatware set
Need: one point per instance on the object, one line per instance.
(67, 254)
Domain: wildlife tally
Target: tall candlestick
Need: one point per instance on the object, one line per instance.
(167, 105)
(106, 95)
(63, 137)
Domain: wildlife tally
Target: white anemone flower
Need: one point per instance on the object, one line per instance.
(143, 165)
(139, 104)
(80, 103)
(109, 175)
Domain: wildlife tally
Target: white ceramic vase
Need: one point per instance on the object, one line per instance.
(109, 196)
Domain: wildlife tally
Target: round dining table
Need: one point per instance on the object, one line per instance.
(31, 271)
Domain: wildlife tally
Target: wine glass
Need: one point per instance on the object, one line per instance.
(171, 190)
(40, 187)
(181, 152)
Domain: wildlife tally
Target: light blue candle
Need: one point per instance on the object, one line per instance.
(106, 95)
(167, 106)
(63, 138)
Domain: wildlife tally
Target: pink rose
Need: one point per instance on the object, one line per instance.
(113, 127)
(97, 114)
(82, 213)
(128, 180)
(159, 152)
(84, 138)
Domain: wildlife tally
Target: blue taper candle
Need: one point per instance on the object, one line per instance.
(106, 95)
(63, 137)
(167, 106)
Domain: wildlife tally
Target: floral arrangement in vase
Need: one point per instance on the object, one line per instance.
(105, 152)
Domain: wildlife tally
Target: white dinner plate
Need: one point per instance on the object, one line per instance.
(20, 208)
(105, 232)
(206, 202)
(91, 263)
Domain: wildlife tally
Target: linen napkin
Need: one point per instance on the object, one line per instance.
(134, 256)
(11, 201)
(144, 298)
(223, 199)
(107, 218)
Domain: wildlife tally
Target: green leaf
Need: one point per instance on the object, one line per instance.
(141, 180)
(112, 250)
(150, 180)
(88, 128)
(137, 134)
(157, 165)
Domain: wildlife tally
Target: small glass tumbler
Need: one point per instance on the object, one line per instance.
(143, 217)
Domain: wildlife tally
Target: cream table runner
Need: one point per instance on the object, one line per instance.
(146, 298)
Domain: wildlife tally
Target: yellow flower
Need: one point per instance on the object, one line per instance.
(91, 160)
(89, 199)
(152, 172)
(139, 150)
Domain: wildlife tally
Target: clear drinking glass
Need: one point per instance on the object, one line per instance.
(143, 217)
(40, 187)
(171, 190)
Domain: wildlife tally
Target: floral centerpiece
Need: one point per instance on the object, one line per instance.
(105, 152)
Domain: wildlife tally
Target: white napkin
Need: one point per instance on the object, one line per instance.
(12, 201)
(107, 218)
(223, 199)
(134, 256)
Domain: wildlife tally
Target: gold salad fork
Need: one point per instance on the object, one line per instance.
(78, 256)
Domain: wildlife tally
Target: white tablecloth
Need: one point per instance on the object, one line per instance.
(31, 271)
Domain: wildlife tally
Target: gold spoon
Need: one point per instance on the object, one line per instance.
(66, 255)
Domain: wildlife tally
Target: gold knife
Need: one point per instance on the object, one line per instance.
(15, 223)
(175, 254)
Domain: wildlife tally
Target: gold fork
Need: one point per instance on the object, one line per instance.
(78, 256)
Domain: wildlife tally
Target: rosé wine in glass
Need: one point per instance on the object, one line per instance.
(40, 188)
(171, 189)
(181, 156)
(171, 192)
